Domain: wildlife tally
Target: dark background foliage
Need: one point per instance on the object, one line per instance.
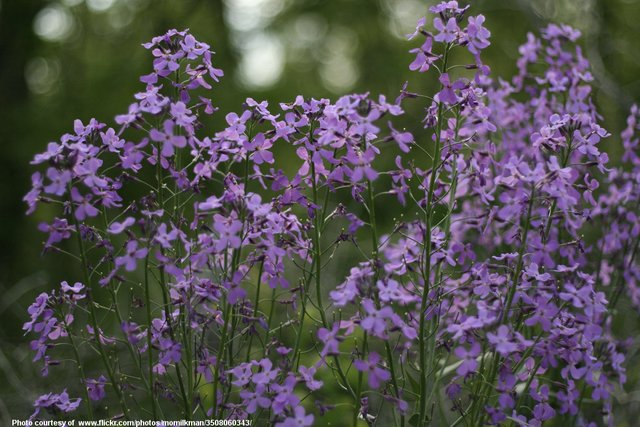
(67, 59)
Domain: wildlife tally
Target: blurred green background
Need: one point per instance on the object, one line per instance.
(67, 59)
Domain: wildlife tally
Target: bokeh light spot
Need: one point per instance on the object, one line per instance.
(53, 23)
(262, 61)
(42, 75)
(100, 5)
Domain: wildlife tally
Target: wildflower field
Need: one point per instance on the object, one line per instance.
(462, 253)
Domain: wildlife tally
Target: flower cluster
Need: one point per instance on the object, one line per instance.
(254, 273)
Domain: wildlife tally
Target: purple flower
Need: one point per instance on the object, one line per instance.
(235, 292)
(237, 123)
(403, 139)
(168, 139)
(210, 204)
(469, 363)
(132, 332)
(355, 223)
(53, 151)
(375, 321)
(58, 181)
(242, 373)
(307, 376)
(299, 419)
(330, 339)
(165, 238)
(119, 227)
(104, 339)
(477, 35)
(128, 119)
(376, 374)
(543, 411)
(362, 161)
(285, 396)
(95, 388)
(182, 117)
(166, 62)
(170, 351)
(37, 309)
(132, 156)
(448, 7)
(58, 231)
(129, 260)
(259, 149)
(213, 72)
(424, 57)
(74, 292)
(192, 47)
(255, 399)
(447, 32)
(348, 290)
(112, 140)
(447, 94)
(205, 364)
(58, 401)
(228, 229)
(419, 27)
(391, 291)
(83, 208)
(151, 101)
(502, 341)
(33, 196)
(266, 374)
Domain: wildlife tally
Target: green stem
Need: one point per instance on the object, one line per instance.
(149, 335)
(493, 371)
(438, 272)
(357, 406)
(221, 350)
(83, 377)
(92, 314)
(426, 271)
(267, 334)
(165, 290)
(255, 310)
(303, 314)
(316, 268)
(316, 244)
(132, 352)
(375, 257)
(520, 264)
(554, 204)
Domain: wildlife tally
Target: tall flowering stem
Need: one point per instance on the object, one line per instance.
(94, 321)
(426, 274)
